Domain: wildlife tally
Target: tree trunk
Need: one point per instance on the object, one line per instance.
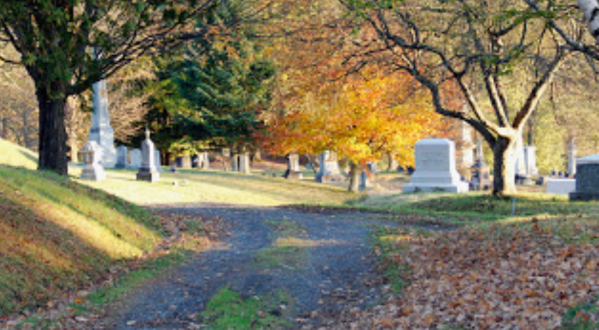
(354, 179)
(53, 135)
(504, 171)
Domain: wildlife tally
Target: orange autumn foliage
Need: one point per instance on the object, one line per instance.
(365, 118)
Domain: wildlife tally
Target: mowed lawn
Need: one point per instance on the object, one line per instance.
(192, 186)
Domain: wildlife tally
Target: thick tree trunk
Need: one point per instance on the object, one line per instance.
(53, 135)
(354, 179)
(504, 171)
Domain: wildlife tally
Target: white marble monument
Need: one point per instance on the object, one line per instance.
(530, 161)
(435, 168)
(293, 167)
(244, 163)
(92, 155)
(329, 168)
(561, 186)
(572, 153)
(100, 131)
(148, 171)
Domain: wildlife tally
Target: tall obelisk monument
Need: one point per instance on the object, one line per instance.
(100, 130)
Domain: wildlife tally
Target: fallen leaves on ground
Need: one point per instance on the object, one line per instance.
(503, 277)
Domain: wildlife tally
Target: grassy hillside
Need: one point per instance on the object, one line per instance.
(13, 155)
(58, 235)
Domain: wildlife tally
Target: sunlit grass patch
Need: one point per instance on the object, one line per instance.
(59, 236)
(292, 258)
(289, 241)
(13, 155)
(218, 187)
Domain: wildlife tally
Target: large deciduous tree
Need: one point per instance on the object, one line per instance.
(362, 118)
(67, 45)
(476, 46)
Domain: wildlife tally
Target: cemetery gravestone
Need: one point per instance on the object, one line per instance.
(204, 161)
(183, 162)
(560, 186)
(572, 151)
(329, 168)
(293, 168)
(244, 163)
(530, 161)
(148, 171)
(587, 179)
(122, 157)
(435, 168)
(366, 180)
(92, 155)
(158, 160)
(100, 131)
(235, 163)
(135, 162)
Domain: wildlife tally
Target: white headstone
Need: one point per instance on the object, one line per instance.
(92, 155)
(204, 161)
(561, 186)
(100, 130)
(122, 157)
(329, 168)
(530, 160)
(135, 162)
(147, 171)
(435, 168)
(244, 163)
(293, 167)
(572, 157)
(158, 161)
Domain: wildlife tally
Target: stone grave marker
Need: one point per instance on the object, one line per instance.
(92, 156)
(135, 162)
(293, 167)
(183, 161)
(148, 171)
(244, 163)
(100, 130)
(530, 161)
(329, 168)
(435, 168)
(122, 157)
(158, 160)
(560, 186)
(203, 161)
(587, 179)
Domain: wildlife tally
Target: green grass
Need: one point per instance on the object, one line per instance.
(480, 207)
(148, 271)
(219, 187)
(581, 317)
(227, 310)
(59, 236)
(13, 155)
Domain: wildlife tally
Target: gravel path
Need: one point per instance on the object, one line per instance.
(333, 269)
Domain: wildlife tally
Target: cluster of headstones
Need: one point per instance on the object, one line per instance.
(146, 160)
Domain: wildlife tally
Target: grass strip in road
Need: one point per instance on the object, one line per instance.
(227, 310)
